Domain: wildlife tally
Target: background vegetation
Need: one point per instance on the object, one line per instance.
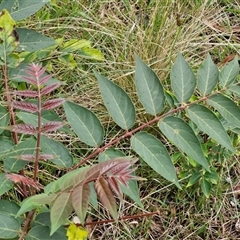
(156, 30)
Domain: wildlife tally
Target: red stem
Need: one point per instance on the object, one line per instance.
(119, 219)
(38, 132)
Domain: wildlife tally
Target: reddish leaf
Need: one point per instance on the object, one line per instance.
(30, 80)
(31, 157)
(45, 79)
(50, 104)
(104, 167)
(49, 88)
(80, 200)
(28, 107)
(34, 67)
(106, 196)
(46, 156)
(26, 157)
(16, 178)
(22, 128)
(51, 126)
(122, 167)
(114, 185)
(35, 70)
(26, 93)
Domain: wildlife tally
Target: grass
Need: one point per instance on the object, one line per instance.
(150, 29)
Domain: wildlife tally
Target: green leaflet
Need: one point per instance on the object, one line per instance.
(31, 41)
(5, 184)
(117, 102)
(182, 135)
(35, 201)
(9, 224)
(210, 124)
(24, 9)
(153, 152)
(43, 233)
(85, 124)
(149, 88)
(50, 146)
(4, 117)
(226, 107)
(229, 72)
(183, 80)
(207, 76)
(60, 211)
(11, 163)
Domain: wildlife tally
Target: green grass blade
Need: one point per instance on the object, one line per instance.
(229, 72)
(85, 124)
(149, 88)
(182, 135)
(226, 107)
(206, 187)
(210, 124)
(152, 151)
(207, 76)
(117, 102)
(183, 80)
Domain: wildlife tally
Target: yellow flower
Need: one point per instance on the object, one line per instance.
(76, 233)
